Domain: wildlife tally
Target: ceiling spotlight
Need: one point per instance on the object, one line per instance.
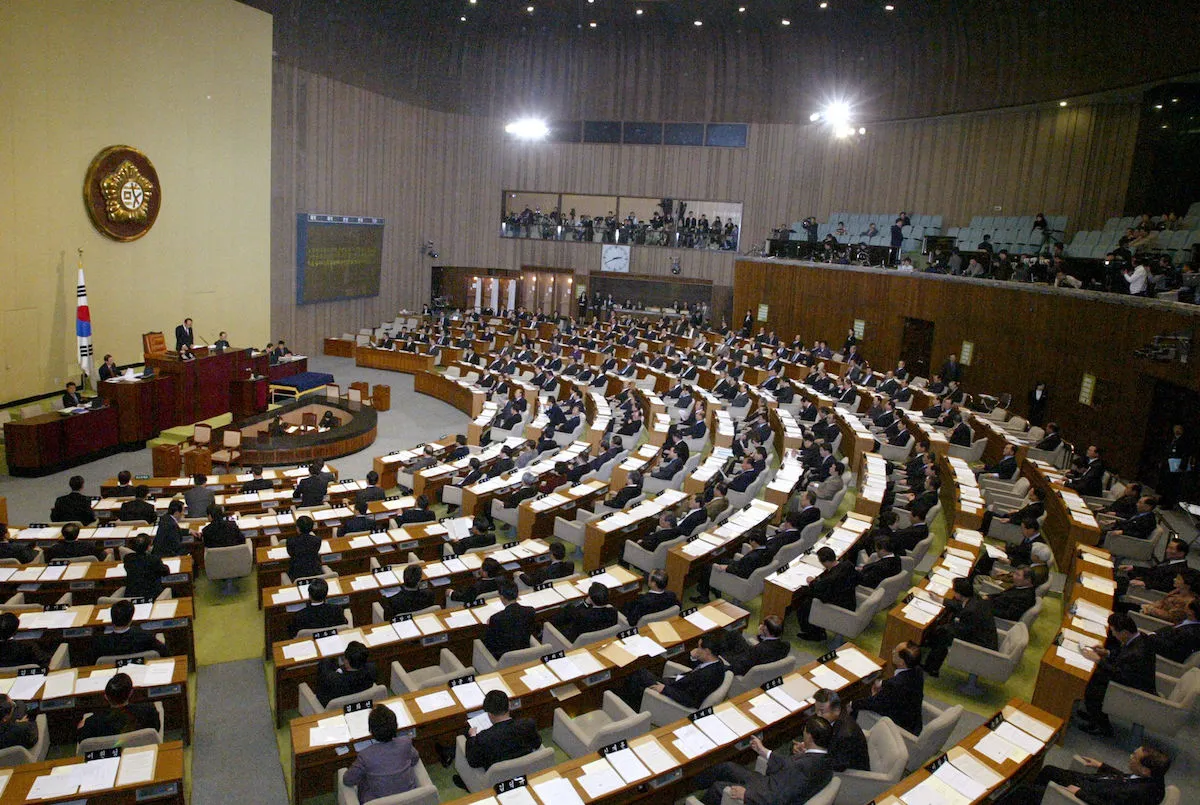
(528, 129)
(814, 117)
(838, 114)
(785, 22)
(1158, 106)
(1062, 103)
(698, 23)
(591, 25)
(463, 18)
(741, 9)
(862, 130)
(473, 2)
(639, 12)
(1174, 100)
(529, 9)
(889, 7)
(1164, 125)
(822, 5)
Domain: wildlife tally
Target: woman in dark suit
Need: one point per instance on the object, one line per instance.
(1037, 404)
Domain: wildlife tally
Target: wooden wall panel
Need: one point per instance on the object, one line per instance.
(1022, 334)
(438, 176)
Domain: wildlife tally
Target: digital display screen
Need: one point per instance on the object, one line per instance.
(337, 257)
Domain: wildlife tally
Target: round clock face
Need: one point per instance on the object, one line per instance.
(614, 258)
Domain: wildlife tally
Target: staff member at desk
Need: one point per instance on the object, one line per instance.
(410, 597)
(222, 342)
(184, 337)
(220, 531)
(168, 539)
(506, 739)
(143, 572)
(121, 717)
(689, 689)
(108, 369)
(140, 508)
(899, 697)
(71, 398)
(385, 768)
(1130, 661)
(74, 505)
(304, 551)
(121, 638)
(18, 652)
(318, 614)
(351, 673)
(15, 731)
(71, 548)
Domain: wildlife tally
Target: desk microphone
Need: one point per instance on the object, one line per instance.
(205, 340)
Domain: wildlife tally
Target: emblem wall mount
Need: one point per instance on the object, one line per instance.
(122, 193)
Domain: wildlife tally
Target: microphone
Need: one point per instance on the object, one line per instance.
(202, 338)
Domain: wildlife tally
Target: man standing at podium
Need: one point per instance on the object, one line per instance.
(184, 336)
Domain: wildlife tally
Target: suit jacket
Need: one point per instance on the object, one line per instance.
(692, 520)
(750, 561)
(119, 720)
(1110, 786)
(132, 641)
(974, 622)
(647, 604)
(742, 481)
(311, 490)
(70, 400)
(143, 575)
(18, 733)
(304, 556)
(1177, 643)
(651, 541)
(667, 470)
(357, 524)
(763, 652)
(875, 572)
(221, 534)
(1161, 576)
(549, 571)
(506, 740)
(384, 769)
(316, 616)
(198, 499)
(334, 682)
(168, 539)
(257, 485)
(411, 516)
(183, 336)
(1091, 482)
(1131, 664)
(848, 749)
(900, 699)
(73, 506)
(789, 778)
(509, 630)
(1011, 604)
(623, 496)
(70, 550)
(580, 619)
(369, 494)
(406, 601)
(107, 373)
(837, 585)
(1140, 526)
(137, 510)
(24, 554)
(696, 685)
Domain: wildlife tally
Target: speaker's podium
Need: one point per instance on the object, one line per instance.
(201, 384)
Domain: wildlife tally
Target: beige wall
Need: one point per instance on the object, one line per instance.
(439, 176)
(188, 82)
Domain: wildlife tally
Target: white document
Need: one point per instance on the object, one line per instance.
(59, 684)
(97, 775)
(716, 730)
(954, 777)
(94, 683)
(517, 796)
(825, 677)
(856, 662)
(299, 652)
(767, 710)
(164, 609)
(54, 785)
(469, 694)
(435, 701)
(692, 742)
(329, 731)
(538, 677)
(460, 618)
(406, 630)
(565, 668)
(158, 673)
(26, 687)
(288, 595)
(356, 723)
(1010, 732)
(600, 778)
(652, 753)
(429, 624)
(737, 721)
(995, 748)
(332, 646)
(137, 765)
(403, 718)
(559, 791)
(627, 765)
(1027, 723)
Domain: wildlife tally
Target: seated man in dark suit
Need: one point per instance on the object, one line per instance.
(139, 508)
(559, 567)
(848, 747)
(71, 398)
(669, 464)
(689, 689)
(1180, 641)
(886, 564)
(793, 779)
(371, 491)
(1159, 576)
(487, 579)
(899, 697)
(353, 672)
(123, 638)
(632, 488)
(221, 532)
(594, 614)
(311, 490)
(411, 597)
(1012, 603)
(74, 505)
(421, 513)
(668, 529)
(168, 538)
(304, 551)
(506, 739)
(1007, 468)
(768, 648)
(1141, 525)
(756, 555)
(510, 628)
(1143, 784)
(257, 484)
(70, 546)
(1130, 661)
(199, 497)
(121, 716)
(360, 522)
(144, 572)
(317, 613)
(16, 730)
(481, 536)
(656, 598)
(21, 551)
(18, 652)
(971, 621)
(835, 585)
(1090, 480)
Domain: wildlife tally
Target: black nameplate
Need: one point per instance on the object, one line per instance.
(32, 672)
(478, 602)
(354, 707)
(130, 661)
(512, 544)
(136, 601)
(830, 657)
(401, 618)
(693, 538)
(392, 497)
(545, 585)
(140, 477)
(936, 764)
(707, 711)
(379, 528)
(627, 633)
(687, 612)
(784, 567)
(302, 583)
(596, 572)
(996, 721)
(324, 633)
(554, 655)
(54, 607)
(774, 683)
(509, 785)
(908, 598)
(462, 680)
(619, 746)
(102, 754)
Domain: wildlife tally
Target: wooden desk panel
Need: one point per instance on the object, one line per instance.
(165, 788)
(51, 442)
(393, 360)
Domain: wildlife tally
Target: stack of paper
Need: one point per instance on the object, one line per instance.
(690, 741)
(331, 730)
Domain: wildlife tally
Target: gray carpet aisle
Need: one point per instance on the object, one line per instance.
(234, 754)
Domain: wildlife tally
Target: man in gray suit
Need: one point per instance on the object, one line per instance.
(199, 497)
(790, 778)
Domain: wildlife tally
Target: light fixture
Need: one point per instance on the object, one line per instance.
(837, 114)
(639, 12)
(698, 23)
(529, 9)
(463, 18)
(889, 7)
(591, 25)
(1174, 100)
(473, 2)
(785, 22)
(528, 128)
(1062, 103)
(1164, 125)
(1158, 106)
(741, 9)
(862, 130)
(814, 117)
(823, 5)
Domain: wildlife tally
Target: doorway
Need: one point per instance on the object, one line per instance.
(916, 346)
(1170, 405)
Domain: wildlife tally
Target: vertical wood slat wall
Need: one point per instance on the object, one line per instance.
(438, 176)
(1021, 336)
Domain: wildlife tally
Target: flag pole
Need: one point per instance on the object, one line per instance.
(83, 327)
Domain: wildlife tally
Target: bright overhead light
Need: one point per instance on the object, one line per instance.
(814, 117)
(838, 114)
(529, 9)
(822, 5)
(785, 22)
(698, 23)
(1158, 106)
(639, 12)
(473, 2)
(529, 128)
(889, 7)
(741, 9)
(591, 25)
(1174, 100)
(463, 18)
(862, 130)
(1062, 103)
